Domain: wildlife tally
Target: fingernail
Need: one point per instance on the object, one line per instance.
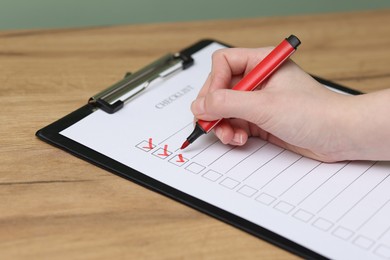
(237, 138)
(198, 106)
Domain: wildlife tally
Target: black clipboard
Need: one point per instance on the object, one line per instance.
(104, 100)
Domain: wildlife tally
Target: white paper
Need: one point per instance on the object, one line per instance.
(340, 210)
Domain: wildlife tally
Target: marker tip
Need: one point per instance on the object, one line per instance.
(185, 144)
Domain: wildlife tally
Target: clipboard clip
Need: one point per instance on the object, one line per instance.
(116, 96)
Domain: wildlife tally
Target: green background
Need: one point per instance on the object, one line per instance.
(31, 14)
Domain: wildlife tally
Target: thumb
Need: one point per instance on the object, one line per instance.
(227, 103)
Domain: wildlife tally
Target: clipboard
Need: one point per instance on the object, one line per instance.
(115, 98)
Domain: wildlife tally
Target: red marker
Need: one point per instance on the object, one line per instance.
(252, 80)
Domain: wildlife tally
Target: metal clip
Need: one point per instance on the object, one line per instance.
(116, 96)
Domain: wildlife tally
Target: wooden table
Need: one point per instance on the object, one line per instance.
(54, 205)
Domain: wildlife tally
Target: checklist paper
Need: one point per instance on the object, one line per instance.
(339, 210)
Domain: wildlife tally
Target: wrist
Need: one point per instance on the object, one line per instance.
(362, 128)
(341, 128)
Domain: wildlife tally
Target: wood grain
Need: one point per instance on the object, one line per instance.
(54, 205)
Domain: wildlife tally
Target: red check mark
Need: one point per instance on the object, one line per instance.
(181, 159)
(150, 144)
(165, 151)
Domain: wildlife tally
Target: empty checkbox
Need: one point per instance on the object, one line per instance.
(284, 207)
(212, 175)
(322, 224)
(265, 199)
(247, 191)
(383, 251)
(342, 233)
(303, 215)
(363, 242)
(229, 183)
(195, 168)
